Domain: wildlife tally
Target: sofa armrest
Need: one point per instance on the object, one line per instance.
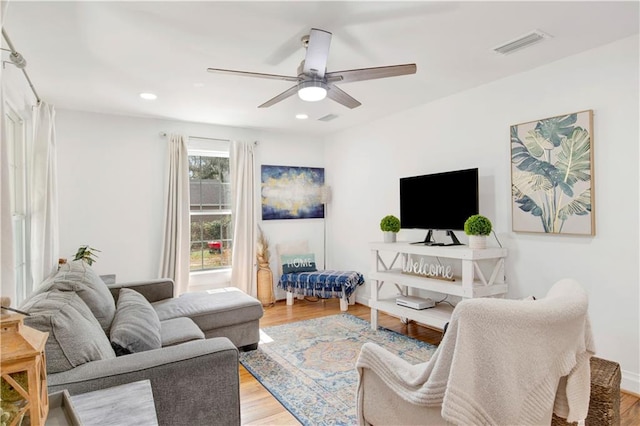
(193, 383)
(152, 290)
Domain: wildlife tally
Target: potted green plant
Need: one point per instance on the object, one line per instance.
(390, 226)
(477, 227)
(86, 254)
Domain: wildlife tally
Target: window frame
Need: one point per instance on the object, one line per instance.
(202, 148)
(16, 134)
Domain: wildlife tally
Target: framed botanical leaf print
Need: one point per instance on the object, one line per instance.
(552, 175)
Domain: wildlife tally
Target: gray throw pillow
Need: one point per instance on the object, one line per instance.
(75, 336)
(136, 326)
(79, 277)
(179, 330)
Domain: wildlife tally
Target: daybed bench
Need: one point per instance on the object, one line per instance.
(299, 276)
(322, 284)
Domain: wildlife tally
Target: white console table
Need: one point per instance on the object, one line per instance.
(471, 284)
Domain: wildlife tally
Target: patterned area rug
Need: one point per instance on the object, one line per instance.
(309, 366)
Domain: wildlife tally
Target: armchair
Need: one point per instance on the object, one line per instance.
(501, 362)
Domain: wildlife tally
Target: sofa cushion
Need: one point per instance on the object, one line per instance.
(211, 310)
(179, 330)
(75, 336)
(79, 277)
(136, 326)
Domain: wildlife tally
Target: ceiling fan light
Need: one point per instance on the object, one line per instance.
(312, 91)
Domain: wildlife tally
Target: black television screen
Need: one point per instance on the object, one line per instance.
(439, 201)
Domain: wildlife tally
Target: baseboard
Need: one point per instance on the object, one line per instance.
(362, 300)
(630, 382)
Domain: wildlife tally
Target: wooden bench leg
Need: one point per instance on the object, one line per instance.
(344, 305)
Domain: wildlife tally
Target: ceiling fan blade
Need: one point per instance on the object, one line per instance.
(315, 62)
(370, 73)
(287, 49)
(281, 97)
(253, 74)
(341, 97)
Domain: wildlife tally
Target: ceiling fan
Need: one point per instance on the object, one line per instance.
(313, 83)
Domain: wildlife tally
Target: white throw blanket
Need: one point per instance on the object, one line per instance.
(500, 361)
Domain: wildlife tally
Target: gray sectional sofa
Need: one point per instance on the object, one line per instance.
(106, 335)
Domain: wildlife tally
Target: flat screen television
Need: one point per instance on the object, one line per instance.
(439, 201)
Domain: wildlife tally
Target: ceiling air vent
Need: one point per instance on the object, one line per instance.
(328, 117)
(521, 42)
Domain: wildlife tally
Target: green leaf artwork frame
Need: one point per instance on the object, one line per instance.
(552, 175)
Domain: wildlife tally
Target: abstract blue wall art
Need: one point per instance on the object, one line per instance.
(292, 192)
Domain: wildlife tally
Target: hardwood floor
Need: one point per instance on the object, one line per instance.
(259, 407)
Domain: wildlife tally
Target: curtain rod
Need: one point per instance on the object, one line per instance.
(208, 139)
(200, 137)
(18, 60)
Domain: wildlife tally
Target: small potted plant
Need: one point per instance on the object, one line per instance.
(477, 227)
(86, 254)
(390, 226)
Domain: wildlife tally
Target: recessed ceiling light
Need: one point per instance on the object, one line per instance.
(149, 96)
(302, 116)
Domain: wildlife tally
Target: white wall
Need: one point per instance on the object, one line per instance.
(111, 178)
(302, 151)
(471, 129)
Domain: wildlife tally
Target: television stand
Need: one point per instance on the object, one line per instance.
(454, 239)
(428, 240)
(482, 275)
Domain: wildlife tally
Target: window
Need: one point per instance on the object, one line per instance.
(18, 191)
(210, 210)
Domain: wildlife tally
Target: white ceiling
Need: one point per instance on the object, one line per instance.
(98, 56)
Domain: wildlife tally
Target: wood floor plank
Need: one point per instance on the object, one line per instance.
(631, 417)
(626, 401)
(629, 410)
(259, 407)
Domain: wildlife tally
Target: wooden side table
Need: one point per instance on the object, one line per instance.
(128, 404)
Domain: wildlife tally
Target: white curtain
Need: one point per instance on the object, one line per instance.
(242, 166)
(175, 243)
(7, 276)
(44, 195)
